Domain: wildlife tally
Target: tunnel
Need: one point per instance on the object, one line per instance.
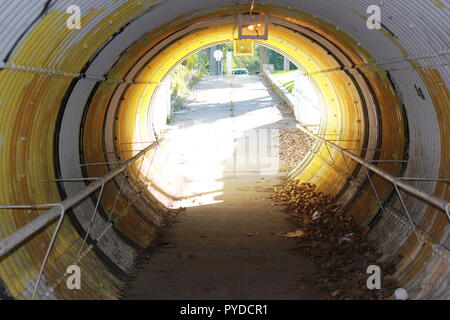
(74, 103)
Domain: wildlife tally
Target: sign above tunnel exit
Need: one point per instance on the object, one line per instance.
(243, 48)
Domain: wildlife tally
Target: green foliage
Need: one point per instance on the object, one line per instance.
(178, 85)
(177, 101)
(290, 86)
(194, 67)
(198, 61)
(286, 78)
(178, 78)
(276, 59)
(277, 72)
(250, 63)
(191, 62)
(201, 60)
(195, 79)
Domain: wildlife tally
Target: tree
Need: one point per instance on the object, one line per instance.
(276, 59)
(263, 57)
(198, 61)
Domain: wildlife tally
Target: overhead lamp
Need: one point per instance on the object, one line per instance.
(253, 26)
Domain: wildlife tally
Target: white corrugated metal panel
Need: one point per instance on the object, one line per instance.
(15, 18)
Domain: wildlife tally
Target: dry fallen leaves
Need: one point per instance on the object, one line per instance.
(295, 234)
(338, 246)
(294, 146)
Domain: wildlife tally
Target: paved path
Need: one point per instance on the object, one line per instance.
(224, 246)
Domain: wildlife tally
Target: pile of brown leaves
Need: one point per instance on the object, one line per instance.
(285, 109)
(340, 248)
(294, 146)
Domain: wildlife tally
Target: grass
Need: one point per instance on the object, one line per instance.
(287, 78)
(195, 79)
(180, 89)
(282, 71)
(232, 108)
(177, 101)
(290, 86)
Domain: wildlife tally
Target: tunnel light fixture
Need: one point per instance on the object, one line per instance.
(253, 26)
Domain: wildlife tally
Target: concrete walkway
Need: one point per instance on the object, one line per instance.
(224, 246)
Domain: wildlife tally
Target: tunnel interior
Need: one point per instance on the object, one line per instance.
(73, 100)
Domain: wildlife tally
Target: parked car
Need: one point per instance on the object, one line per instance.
(241, 71)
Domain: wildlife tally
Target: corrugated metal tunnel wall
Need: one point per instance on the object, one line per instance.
(74, 96)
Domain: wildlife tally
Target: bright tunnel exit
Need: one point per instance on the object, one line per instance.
(228, 124)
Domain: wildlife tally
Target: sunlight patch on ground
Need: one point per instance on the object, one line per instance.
(227, 130)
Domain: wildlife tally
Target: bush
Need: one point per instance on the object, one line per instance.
(180, 85)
